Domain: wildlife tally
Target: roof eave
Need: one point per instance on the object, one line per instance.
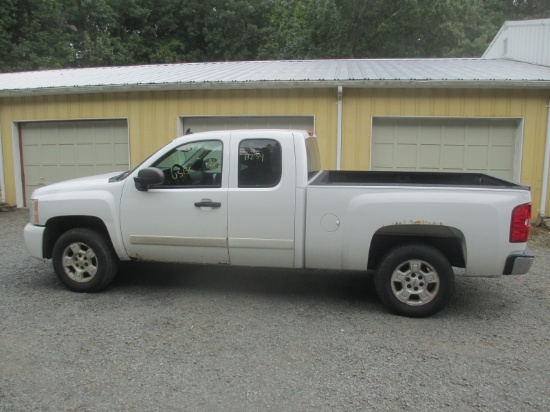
(306, 84)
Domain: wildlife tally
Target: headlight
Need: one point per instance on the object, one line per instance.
(34, 211)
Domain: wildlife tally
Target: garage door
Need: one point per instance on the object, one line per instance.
(56, 151)
(207, 123)
(490, 146)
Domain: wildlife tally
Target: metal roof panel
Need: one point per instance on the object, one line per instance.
(265, 74)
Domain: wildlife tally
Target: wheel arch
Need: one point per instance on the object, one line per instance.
(448, 240)
(56, 226)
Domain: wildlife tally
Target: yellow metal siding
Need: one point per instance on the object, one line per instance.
(360, 105)
(153, 116)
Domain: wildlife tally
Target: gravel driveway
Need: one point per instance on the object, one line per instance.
(197, 338)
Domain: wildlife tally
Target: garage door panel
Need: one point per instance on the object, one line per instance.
(49, 173)
(455, 144)
(428, 135)
(385, 135)
(501, 174)
(48, 136)
(119, 136)
(100, 169)
(66, 136)
(453, 135)
(430, 156)
(501, 157)
(454, 157)
(476, 157)
(85, 135)
(104, 153)
(85, 170)
(406, 169)
(33, 139)
(104, 135)
(32, 174)
(67, 171)
(257, 123)
(478, 136)
(33, 156)
(49, 153)
(85, 154)
(404, 135)
(406, 156)
(66, 154)
(121, 154)
(384, 158)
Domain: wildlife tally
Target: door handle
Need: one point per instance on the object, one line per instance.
(207, 203)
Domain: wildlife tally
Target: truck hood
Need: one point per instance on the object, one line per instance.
(76, 185)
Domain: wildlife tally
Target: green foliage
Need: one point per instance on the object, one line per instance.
(32, 35)
(46, 34)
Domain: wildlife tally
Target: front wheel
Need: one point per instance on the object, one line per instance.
(414, 280)
(84, 260)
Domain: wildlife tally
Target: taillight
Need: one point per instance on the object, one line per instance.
(521, 223)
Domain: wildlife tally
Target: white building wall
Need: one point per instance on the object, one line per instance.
(526, 41)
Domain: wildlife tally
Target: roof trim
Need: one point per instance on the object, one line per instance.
(308, 84)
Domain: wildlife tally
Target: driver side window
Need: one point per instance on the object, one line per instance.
(194, 164)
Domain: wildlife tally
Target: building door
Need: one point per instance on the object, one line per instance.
(491, 146)
(208, 123)
(56, 151)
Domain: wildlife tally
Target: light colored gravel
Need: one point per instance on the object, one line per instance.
(197, 338)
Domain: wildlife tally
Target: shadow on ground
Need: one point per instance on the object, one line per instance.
(347, 286)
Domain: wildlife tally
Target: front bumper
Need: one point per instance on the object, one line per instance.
(519, 263)
(34, 240)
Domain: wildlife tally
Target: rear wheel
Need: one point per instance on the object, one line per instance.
(84, 260)
(414, 280)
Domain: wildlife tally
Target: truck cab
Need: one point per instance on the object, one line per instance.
(222, 197)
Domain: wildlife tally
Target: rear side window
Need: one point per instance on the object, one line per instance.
(260, 163)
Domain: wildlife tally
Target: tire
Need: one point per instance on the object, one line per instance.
(414, 280)
(84, 260)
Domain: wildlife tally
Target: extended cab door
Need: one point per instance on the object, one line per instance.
(185, 218)
(262, 197)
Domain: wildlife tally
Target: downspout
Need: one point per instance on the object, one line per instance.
(339, 130)
(544, 191)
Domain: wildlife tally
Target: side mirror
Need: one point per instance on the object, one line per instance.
(149, 176)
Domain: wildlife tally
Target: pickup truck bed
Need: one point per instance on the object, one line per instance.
(366, 178)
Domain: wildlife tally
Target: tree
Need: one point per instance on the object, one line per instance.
(47, 34)
(33, 35)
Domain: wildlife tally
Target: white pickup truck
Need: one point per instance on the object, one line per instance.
(259, 198)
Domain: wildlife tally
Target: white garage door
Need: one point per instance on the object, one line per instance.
(56, 151)
(490, 146)
(208, 123)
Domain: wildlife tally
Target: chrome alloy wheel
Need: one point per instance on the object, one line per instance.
(80, 262)
(415, 282)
